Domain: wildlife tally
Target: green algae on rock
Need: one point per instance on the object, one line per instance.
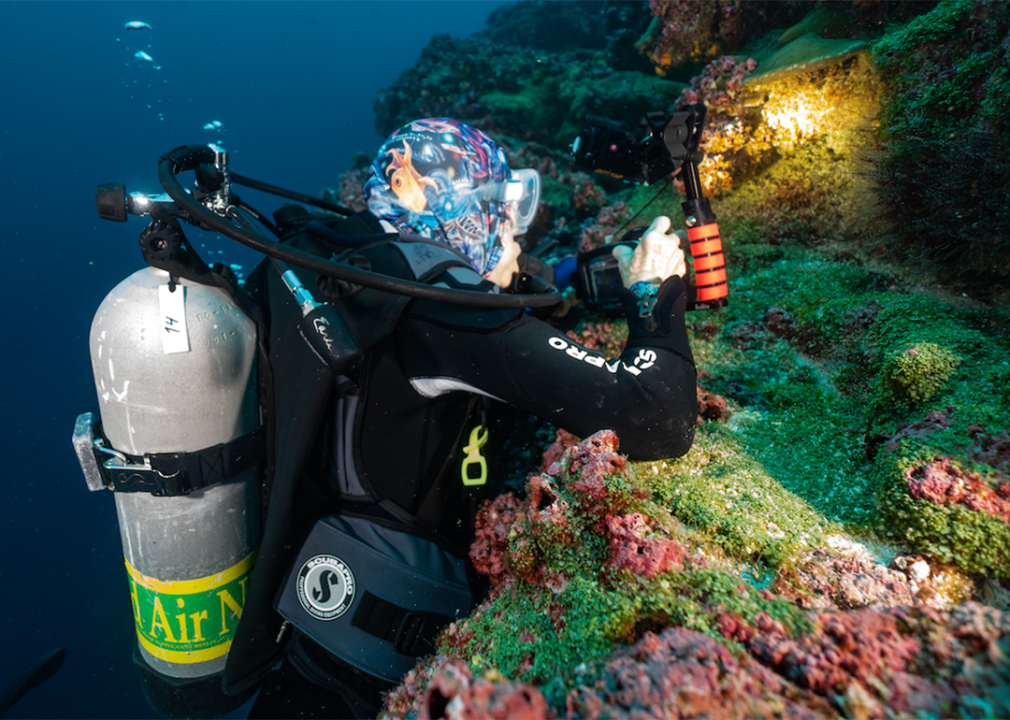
(548, 649)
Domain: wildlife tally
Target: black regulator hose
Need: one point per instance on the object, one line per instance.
(188, 157)
(290, 194)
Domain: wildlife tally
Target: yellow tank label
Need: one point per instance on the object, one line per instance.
(189, 621)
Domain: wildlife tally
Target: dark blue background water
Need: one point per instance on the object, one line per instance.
(292, 84)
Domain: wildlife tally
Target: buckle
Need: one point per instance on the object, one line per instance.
(410, 638)
(126, 475)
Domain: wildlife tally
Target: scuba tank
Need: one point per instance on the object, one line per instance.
(179, 445)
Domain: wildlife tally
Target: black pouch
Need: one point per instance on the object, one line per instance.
(374, 597)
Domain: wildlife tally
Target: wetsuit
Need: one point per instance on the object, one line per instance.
(388, 449)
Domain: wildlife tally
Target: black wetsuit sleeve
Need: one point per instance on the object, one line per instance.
(647, 395)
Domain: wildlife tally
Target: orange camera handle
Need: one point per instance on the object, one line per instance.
(709, 290)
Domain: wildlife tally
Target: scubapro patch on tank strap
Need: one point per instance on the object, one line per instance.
(325, 587)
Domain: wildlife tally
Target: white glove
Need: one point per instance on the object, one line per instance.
(657, 257)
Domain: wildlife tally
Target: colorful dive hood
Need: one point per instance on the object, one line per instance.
(447, 181)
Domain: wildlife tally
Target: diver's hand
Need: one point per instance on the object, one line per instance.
(657, 257)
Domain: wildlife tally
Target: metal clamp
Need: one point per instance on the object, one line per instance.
(127, 475)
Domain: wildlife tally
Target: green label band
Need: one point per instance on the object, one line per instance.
(189, 621)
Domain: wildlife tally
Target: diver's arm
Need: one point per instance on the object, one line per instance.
(647, 395)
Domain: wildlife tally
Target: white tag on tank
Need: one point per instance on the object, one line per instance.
(172, 321)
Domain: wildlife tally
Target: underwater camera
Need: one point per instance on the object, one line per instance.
(669, 146)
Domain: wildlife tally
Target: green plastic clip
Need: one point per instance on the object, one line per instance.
(473, 456)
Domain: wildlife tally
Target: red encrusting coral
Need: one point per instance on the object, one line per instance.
(636, 546)
(596, 231)
(712, 406)
(454, 693)
(681, 673)
(491, 528)
(944, 483)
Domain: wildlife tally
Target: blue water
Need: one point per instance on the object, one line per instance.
(292, 86)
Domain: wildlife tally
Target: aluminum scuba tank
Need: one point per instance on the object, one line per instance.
(174, 368)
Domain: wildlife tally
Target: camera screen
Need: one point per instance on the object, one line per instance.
(605, 277)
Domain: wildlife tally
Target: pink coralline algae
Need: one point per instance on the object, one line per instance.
(990, 449)
(444, 687)
(720, 86)
(944, 483)
(547, 511)
(553, 454)
(822, 581)
(681, 673)
(730, 140)
(860, 644)
(350, 190)
(491, 528)
(607, 222)
(712, 406)
(779, 322)
(588, 464)
(634, 545)
(689, 30)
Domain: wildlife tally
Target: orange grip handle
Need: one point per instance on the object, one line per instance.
(713, 293)
(707, 262)
(703, 231)
(711, 277)
(706, 247)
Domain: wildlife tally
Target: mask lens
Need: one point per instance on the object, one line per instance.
(525, 207)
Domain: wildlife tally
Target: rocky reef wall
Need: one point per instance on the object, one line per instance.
(837, 542)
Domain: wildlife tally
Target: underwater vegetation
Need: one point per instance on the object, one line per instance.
(947, 171)
(837, 541)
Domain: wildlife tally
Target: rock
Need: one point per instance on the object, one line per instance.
(804, 55)
(919, 570)
(826, 20)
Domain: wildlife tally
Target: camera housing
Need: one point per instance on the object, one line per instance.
(617, 153)
(669, 146)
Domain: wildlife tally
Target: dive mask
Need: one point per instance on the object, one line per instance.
(521, 192)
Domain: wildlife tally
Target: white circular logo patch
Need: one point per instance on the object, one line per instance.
(325, 587)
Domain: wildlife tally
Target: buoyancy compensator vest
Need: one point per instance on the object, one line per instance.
(303, 385)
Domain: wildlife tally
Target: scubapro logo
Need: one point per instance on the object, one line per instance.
(325, 587)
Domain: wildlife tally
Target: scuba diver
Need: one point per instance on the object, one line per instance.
(297, 462)
(389, 465)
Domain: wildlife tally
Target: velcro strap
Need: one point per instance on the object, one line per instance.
(410, 631)
(172, 474)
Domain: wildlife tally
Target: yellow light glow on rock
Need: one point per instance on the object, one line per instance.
(796, 117)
